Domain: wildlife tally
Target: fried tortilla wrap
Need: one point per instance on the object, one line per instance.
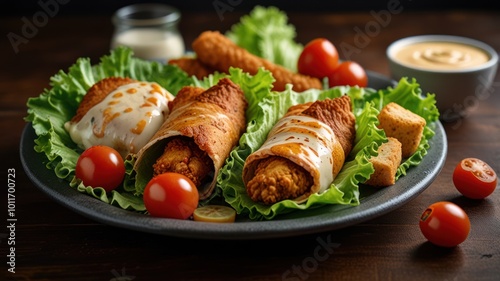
(218, 52)
(303, 152)
(197, 137)
(121, 113)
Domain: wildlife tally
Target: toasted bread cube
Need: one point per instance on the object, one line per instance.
(404, 125)
(386, 164)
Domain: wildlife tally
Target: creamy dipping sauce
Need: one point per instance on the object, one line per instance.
(126, 119)
(151, 44)
(441, 55)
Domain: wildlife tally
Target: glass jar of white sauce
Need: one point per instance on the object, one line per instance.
(150, 30)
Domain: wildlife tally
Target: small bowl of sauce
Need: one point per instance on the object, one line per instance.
(458, 70)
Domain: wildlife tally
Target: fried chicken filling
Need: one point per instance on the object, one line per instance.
(183, 156)
(278, 179)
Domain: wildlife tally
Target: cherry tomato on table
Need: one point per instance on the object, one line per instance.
(100, 166)
(474, 178)
(171, 195)
(348, 73)
(318, 59)
(445, 224)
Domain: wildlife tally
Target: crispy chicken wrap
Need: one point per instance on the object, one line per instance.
(303, 152)
(197, 137)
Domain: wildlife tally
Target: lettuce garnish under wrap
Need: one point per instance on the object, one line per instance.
(57, 105)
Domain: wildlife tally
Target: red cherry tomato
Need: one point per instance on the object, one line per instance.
(318, 59)
(100, 166)
(445, 224)
(474, 178)
(171, 195)
(348, 73)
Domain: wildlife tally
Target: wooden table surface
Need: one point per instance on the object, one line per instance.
(55, 243)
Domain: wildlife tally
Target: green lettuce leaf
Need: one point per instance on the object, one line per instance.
(265, 32)
(408, 94)
(55, 106)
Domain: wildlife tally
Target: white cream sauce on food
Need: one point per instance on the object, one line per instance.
(309, 143)
(442, 55)
(126, 119)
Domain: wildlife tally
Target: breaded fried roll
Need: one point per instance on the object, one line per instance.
(197, 137)
(192, 66)
(218, 52)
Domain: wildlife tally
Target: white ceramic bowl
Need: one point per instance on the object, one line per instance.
(458, 90)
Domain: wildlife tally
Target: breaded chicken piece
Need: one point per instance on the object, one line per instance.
(183, 156)
(185, 93)
(192, 66)
(223, 95)
(217, 51)
(98, 93)
(404, 125)
(277, 179)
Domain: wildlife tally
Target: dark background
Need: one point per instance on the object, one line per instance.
(75, 7)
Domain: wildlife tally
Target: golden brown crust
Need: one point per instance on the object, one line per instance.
(193, 66)
(183, 156)
(219, 52)
(386, 163)
(337, 114)
(97, 93)
(404, 125)
(185, 94)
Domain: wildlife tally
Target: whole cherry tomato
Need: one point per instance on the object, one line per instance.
(445, 224)
(348, 73)
(100, 166)
(474, 178)
(318, 59)
(171, 195)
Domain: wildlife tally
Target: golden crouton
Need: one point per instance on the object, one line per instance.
(386, 164)
(404, 125)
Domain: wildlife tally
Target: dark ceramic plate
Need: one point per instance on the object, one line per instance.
(373, 204)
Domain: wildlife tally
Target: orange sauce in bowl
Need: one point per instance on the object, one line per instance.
(441, 55)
